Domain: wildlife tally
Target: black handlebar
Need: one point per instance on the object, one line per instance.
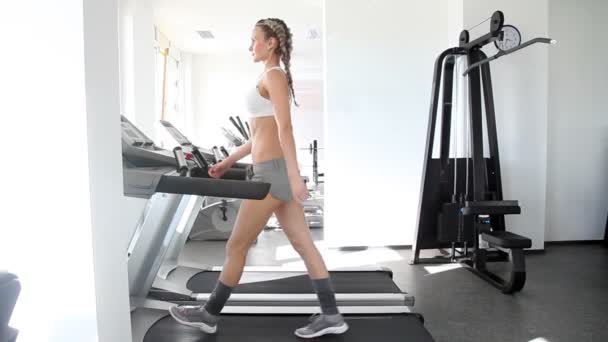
(224, 151)
(212, 187)
(248, 129)
(237, 172)
(242, 127)
(238, 128)
(199, 159)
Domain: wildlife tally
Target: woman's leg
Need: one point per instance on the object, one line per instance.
(292, 220)
(252, 217)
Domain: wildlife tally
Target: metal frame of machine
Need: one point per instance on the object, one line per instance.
(461, 204)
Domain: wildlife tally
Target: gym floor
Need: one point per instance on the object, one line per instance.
(565, 297)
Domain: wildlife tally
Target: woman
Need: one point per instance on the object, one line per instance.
(273, 151)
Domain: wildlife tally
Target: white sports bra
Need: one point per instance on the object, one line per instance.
(257, 105)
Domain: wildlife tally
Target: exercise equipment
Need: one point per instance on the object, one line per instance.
(313, 149)
(9, 292)
(217, 215)
(187, 283)
(314, 206)
(233, 140)
(240, 127)
(265, 298)
(462, 206)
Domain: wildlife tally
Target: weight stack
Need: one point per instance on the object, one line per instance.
(452, 226)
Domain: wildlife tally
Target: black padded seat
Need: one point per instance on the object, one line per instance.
(506, 239)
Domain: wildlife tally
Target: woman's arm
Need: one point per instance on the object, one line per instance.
(278, 89)
(217, 170)
(238, 154)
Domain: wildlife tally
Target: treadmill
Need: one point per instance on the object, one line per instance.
(211, 156)
(150, 172)
(216, 217)
(354, 287)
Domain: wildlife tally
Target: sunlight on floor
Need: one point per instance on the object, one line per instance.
(441, 268)
(339, 259)
(539, 339)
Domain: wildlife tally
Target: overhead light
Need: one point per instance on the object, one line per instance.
(206, 34)
(313, 34)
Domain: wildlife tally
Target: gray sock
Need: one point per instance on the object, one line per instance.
(218, 298)
(326, 294)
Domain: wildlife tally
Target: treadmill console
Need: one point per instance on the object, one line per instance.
(176, 134)
(131, 135)
(186, 143)
(140, 151)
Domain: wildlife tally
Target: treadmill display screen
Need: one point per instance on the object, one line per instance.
(131, 134)
(177, 135)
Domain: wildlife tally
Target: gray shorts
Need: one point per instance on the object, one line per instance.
(273, 172)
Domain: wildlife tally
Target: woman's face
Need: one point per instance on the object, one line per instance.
(260, 47)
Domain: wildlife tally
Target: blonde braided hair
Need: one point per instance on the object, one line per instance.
(276, 28)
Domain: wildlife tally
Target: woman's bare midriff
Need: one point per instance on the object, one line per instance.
(265, 144)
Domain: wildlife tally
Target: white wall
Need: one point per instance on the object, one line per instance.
(455, 21)
(219, 84)
(105, 169)
(137, 91)
(379, 66)
(46, 223)
(520, 97)
(138, 64)
(577, 156)
(127, 87)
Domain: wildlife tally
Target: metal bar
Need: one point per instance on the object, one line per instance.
(314, 309)
(476, 129)
(238, 128)
(494, 179)
(248, 128)
(446, 117)
(302, 270)
(297, 299)
(139, 302)
(507, 52)
(428, 153)
(243, 129)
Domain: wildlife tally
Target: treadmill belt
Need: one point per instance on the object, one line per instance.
(274, 328)
(343, 282)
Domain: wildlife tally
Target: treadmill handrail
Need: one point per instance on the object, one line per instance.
(212, 187)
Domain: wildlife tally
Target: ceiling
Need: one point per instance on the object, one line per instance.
(231, 22)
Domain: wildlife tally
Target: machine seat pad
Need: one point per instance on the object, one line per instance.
(506, 239)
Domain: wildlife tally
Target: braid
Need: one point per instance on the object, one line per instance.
(279, 29)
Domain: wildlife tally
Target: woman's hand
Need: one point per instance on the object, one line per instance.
(299, 189)
(218, 170)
